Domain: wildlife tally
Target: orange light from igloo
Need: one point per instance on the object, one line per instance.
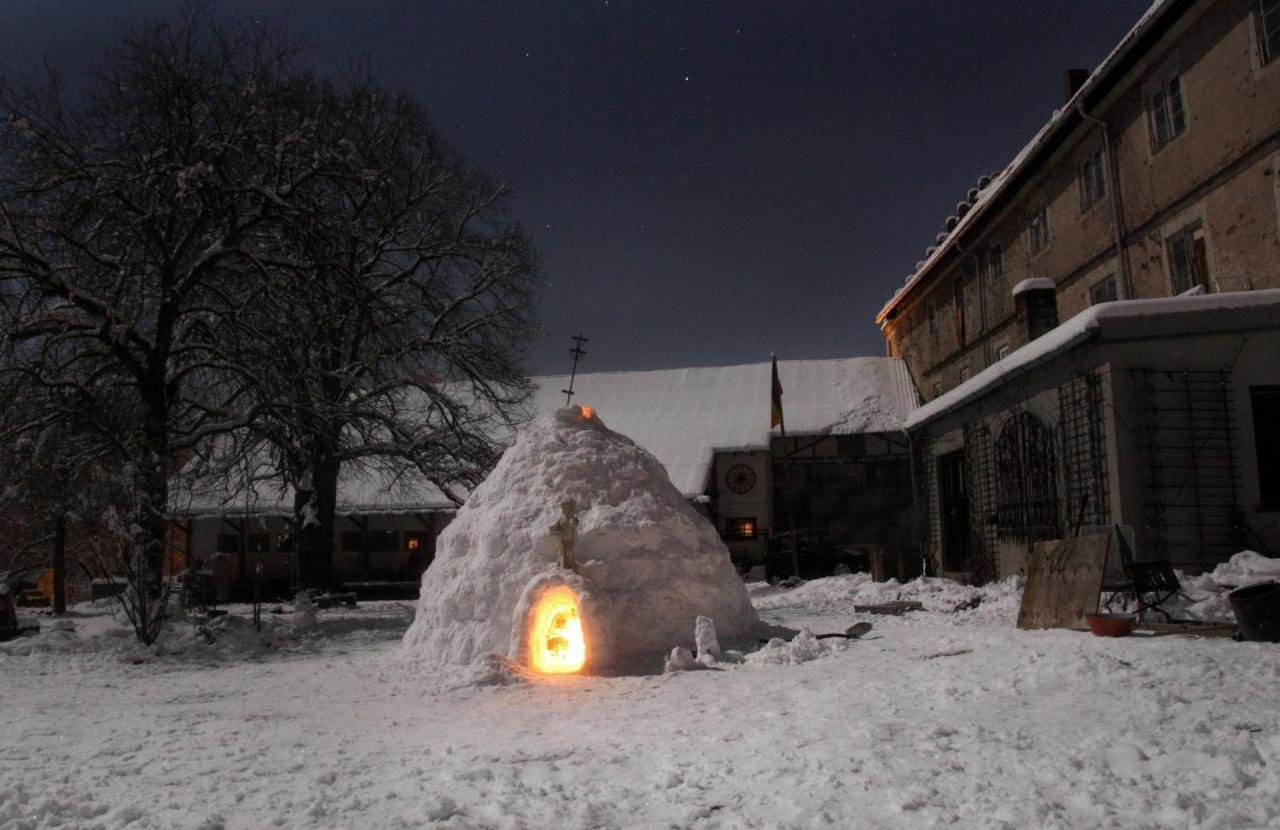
(556, 644)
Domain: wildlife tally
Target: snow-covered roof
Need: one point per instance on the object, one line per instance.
(683, 416)
(1059, 121)
(1033, 284)
(1124, 319)
(359, 492)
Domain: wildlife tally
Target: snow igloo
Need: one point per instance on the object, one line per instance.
(645, 565)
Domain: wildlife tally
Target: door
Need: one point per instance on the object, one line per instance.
(954, 489)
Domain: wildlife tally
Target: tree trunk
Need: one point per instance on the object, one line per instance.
(314, 512)
(149, 534)
(60, 565)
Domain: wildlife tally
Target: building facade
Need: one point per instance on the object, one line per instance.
(1159, 175)
(1096, 331)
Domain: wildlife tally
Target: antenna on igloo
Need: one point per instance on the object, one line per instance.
(578, 353)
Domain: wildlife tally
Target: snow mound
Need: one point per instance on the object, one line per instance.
(648, 564)
(995, 601)
(1206, 594)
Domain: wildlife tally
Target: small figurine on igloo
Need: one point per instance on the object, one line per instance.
(644, 565)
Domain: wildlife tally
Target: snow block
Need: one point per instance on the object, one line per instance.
(648, 564)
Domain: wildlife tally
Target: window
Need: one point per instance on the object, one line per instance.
(740, 528)
(1038, 230)
(958, 289)
(383, 540)
(1168, 116)
(932, 312)
(415, 540)
(1093, 182)
(1266, 414)
(1188, 264)
(1103, 291)
(995, 264)
(1002, 352)
(964, 373)
(1269, 28)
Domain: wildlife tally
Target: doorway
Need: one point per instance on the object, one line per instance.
(954, 488)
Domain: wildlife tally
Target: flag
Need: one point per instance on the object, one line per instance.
(775, 413)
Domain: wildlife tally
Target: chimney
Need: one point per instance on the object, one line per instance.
(1035, 303)
(1074, 79)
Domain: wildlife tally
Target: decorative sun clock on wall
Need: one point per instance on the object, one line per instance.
(740, 479)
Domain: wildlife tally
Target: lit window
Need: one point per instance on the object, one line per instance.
(1093, 181)
(415, 540)
(995, 264)
(1168, 116)
(1103, 291)
(1269, 28)
(1038, 230)
(740, 528)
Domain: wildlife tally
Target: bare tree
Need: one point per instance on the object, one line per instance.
(389, 335)
(126, 225)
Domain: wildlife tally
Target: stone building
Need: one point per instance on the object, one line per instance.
(1160, 174)
(1096, 331)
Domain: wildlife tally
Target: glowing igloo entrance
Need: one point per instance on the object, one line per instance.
(556, 641)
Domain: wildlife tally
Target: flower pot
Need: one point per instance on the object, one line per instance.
(1257, 610)
(1110, 625)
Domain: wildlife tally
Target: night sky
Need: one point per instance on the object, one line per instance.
(707, 181)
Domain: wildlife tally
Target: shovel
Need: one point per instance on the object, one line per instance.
(853, 632)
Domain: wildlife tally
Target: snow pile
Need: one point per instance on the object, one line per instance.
(99, 632)
(802, 648)
(648, 564)
(999, 600)
(1208, 592)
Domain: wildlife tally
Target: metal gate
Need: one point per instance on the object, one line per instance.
(1187, 444)
(1026, 481)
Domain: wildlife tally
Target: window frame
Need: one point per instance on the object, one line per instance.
(1092, 181)
(1267, 49)
(1111, 293)
(740, 529)
(994, 265)
(1169, 90)
(1039, 219)
(1187, 233)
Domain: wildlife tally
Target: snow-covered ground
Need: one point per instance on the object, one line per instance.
(936, 718)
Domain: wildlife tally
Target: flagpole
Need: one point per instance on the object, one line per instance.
(786, 477)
